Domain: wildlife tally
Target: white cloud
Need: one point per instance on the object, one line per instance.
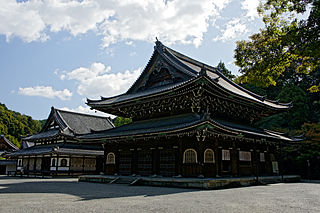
(234, 29)
(46, 91)
(22, 20)
(183, 21)
(97, 80)
(251, 7)
(87, 110)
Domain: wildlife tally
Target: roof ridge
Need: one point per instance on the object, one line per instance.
(217, 71)
(260, 97)
(83, 114)
(168, 56)
(9, 142)
(62, 119)
(148, 64)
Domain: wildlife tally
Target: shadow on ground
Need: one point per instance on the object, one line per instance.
(83, 190)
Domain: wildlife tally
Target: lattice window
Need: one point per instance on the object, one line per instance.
(111, 158)
(19, 162)
(53, 162)
(262, 157)
(244, 156)
(63, 162)
(209, 156)
(190, 156)
(225, 154)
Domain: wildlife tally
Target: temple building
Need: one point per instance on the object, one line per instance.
(6, 147)
(188, 120)
(55, 150)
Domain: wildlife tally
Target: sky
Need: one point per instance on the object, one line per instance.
(60, 52)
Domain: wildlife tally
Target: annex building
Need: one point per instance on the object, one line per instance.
(188, 120)
(54, 150)
(6, 146)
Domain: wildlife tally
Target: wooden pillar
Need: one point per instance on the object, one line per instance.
(268, 163)
(133, 161)
(28, 166)
(180, 162)
(234, 160)
(69, 165)
(104, 165)
(253, 162)
(117, 156)
(200, 158)
(83, 159)
(157, 150)
(35, 163)
(217, 152)
(154, 160)
(177, 158)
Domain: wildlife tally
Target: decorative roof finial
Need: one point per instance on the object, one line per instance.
(158, 43)
(203, 71)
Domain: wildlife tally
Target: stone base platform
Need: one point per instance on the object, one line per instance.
(182, 182)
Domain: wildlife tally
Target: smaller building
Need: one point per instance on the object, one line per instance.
(55, 150)
(7, 147)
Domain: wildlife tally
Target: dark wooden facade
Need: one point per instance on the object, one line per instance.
(165, 157)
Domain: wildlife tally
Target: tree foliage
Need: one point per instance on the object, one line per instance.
(119, 121)
(285, 47)
(282, 62)
(222, 68)
(13, 125)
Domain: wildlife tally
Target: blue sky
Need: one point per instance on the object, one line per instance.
(59, 52)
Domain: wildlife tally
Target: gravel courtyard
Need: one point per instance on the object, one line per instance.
(69, 195)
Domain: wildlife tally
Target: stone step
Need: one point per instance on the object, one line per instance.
(123, 180)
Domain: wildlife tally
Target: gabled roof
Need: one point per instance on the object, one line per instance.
(61, 122)
(184, 122)
(8, 144)
(189, 70)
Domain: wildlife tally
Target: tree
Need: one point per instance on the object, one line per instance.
(286, 50)
(13, 125)
(300, 110)
(222, 68)
(119, 121)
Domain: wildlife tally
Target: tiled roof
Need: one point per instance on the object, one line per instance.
(147, 126)
(70, 124)
(181, 123)
(83, 123)
(8, 143)
(47, 134)
(191, 68)
(59, 148)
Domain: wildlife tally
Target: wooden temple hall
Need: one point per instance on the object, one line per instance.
(188, 120)
(55, 151)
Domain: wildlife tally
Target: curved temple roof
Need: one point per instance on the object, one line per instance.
(192, 70)
(10, 146)
(62, 148)
(179, 123)
(69, 124)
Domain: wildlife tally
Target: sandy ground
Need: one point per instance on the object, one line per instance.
(69, 195)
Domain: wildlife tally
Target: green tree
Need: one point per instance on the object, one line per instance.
(222, 68)
(286, 47)
(119, 121)
(13, 125)
(299, 112)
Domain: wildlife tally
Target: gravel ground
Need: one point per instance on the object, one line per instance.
(68, 195)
